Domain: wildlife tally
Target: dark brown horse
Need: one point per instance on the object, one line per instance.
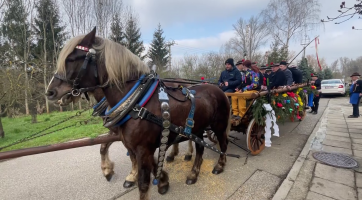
(116, 66)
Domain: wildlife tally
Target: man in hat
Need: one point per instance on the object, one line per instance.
(355, 94)
(239, 66)
(277, 78)
(287, 72)
(230, 78)
(249, 85)
(317, 83)
(263, 75)
(297, 74)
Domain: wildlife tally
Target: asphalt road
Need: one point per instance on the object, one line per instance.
(76, 173)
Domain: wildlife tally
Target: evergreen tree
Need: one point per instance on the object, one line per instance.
(117, 34)
(158, 52)
(306, 69)
(328, 74)
(49, 30)
(16, 29)
(277, 53)
(133, 38)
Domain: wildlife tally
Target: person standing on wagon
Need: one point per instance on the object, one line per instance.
(249, 85)
(277, 78)
(356, 94)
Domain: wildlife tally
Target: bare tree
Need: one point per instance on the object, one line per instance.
(289, 19)
(312, 61)
(250, 36)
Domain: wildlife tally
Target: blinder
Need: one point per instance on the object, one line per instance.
(90, 57)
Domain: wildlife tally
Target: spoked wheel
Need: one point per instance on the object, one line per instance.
(255, 138)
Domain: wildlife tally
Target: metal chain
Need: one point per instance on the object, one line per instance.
(36, 135)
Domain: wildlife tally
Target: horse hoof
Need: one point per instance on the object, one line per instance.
(188, 157)
(217, 171)
(128, 184)
(169, 158)
(190, 181)
(163, 189)
(109, 177)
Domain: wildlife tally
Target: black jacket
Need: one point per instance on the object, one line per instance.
(233, 77)
(317, 83)
(277, 79)
(357, 88)
(297, 75)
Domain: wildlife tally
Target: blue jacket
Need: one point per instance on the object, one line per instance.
(233, 77)
(355, 90)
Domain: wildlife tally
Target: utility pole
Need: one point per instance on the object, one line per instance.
(305, 43)
(169, 44)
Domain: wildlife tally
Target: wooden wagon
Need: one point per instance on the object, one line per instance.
(249, 125)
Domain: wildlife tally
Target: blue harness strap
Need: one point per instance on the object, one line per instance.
(190, 119)
(143, 101)
(108, 112)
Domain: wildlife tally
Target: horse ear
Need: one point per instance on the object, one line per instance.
(89, 39)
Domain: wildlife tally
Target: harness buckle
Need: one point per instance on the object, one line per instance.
(190, 122)
(75, 92)
(142, 112)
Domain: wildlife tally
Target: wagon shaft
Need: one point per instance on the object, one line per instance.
(57, 147)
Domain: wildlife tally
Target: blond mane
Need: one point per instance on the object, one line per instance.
(121, 64)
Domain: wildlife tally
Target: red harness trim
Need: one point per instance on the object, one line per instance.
(82, 48)
(150, 95)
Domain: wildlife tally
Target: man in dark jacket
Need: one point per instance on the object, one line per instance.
(277, 78)
(230, 78)
(287, 72)
(317, 83)
(297, 74)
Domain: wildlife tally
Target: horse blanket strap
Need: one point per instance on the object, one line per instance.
(164, 100)
(143, 113)
(190, 119)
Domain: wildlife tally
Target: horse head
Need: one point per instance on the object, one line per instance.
(74, 70)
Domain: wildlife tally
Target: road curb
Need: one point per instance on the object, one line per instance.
(289, 181)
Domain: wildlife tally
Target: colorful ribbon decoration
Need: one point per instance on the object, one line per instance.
(316, 49)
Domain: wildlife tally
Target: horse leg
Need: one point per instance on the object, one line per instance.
(174, 152)
(132, 177)
(192, 177)
(145, 162)
(163, 185)
(106, 164)
(223, 143)
(190, 149)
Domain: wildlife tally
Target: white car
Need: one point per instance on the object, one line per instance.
(333, 86)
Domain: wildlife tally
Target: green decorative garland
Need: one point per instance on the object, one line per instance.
(284, 106)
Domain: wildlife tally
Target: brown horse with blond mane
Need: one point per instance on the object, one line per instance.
(113, 72)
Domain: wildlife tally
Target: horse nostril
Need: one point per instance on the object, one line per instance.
(50, 93)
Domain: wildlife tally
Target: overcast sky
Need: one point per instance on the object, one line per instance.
(200, 26)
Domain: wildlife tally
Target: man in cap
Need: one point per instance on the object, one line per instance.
(263, 76)
(317, 83)
(239, 66)
(297, 74)
(287, 72)
(277, 78)
(230, 78)
(249, 85)
(355, 94)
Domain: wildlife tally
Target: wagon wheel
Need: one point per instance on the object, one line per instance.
(255, 138)
(211, 136)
